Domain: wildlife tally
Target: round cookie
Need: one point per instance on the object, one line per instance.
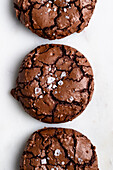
(54, 18)
(58, 149)
(55, 83)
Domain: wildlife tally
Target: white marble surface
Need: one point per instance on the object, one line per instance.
(96, 122)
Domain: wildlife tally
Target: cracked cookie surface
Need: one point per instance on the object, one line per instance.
(54, 19)
(55, 83)
(58, 149)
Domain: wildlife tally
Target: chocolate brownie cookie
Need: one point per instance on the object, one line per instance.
(54, 18)
(58, 149)
(55, 83)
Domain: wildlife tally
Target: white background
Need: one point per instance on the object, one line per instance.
(96, 122)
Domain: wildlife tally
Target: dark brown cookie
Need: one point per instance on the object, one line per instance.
(55, 83)
(58, 149)
(54, 18)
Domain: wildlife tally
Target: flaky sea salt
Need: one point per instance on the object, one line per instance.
(37, 90)
(57, 152)
(71, 98)
(67, 17)
(50, 86)
(41, 96)
(49, 69)
(63, 74)
(50, 80)
(55, 9)
(54, 168)
(55, 92)
(37, 75)
(80, 160)
(60, 82)
(63, 163)
(65, 10)
(51, 74)
(54, 86)
(47, 5)
(49, 10)
(43, 161)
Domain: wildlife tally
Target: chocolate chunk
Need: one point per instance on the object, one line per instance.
(54, 18)
(58, 149)
(55, 83)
